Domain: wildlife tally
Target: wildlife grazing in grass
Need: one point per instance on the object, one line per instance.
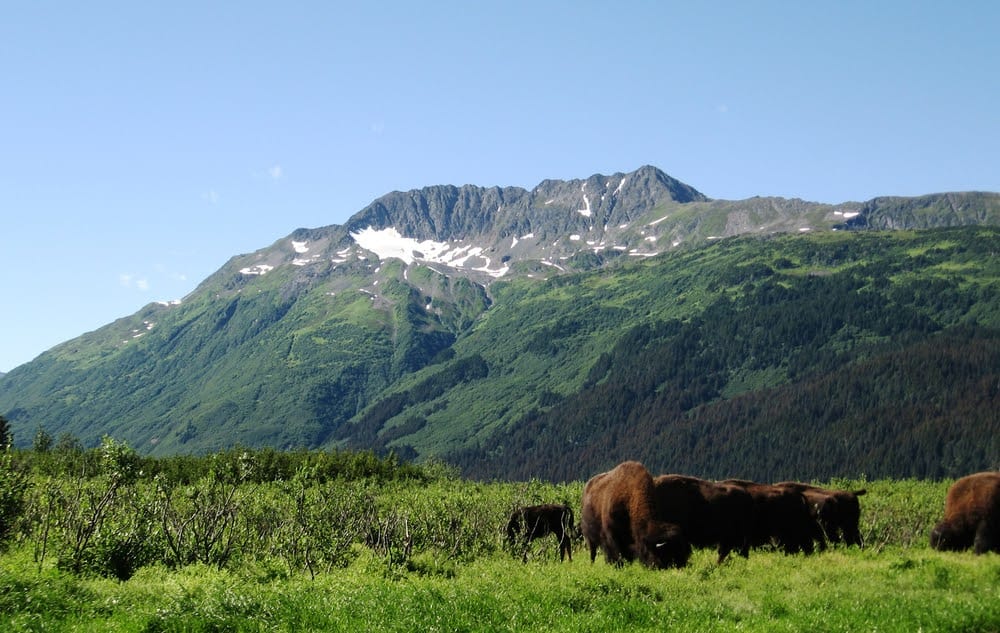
(710, 514)
(618, 515)
(530, 522)
(838, 512)
(971, 515)
(781, 517)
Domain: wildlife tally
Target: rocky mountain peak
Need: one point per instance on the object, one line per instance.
(447, 212)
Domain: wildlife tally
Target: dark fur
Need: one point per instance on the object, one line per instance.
(531, 522)
(838, 512)
(710, 514)
(781, 517)
(971, 515)
(618, 515)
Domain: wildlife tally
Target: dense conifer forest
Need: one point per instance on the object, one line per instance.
(854, 367)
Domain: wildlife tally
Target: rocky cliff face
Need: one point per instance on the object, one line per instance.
(930, 211)
(553, 210)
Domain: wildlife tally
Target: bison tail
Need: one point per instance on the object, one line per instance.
(858, 493)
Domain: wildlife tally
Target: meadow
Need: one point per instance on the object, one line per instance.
(263, 541)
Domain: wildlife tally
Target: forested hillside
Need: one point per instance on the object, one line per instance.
(876, 354)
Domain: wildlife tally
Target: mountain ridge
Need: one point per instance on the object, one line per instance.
(564, 211)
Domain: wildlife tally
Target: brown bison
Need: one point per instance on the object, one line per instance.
(618, 515)
(838, 512)
(710, 514)
(531, 522)
(971, 515)
(781, 517)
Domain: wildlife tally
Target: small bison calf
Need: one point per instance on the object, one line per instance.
(531, 522)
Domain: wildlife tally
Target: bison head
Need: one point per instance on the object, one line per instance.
(666, 546)
(945, 537)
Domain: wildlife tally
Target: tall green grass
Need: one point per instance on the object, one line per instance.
(377, 554)
(895, 589)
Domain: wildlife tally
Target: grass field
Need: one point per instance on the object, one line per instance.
(266, 541)
(893, 589)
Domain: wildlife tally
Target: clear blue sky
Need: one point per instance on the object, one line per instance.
(142, 144)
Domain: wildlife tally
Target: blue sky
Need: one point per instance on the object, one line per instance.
(142, 144)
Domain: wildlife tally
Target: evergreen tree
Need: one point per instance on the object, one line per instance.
(6, 436)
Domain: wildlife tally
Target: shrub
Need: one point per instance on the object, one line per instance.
(14, 485)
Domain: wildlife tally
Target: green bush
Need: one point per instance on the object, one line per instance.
(248, 509)
(14, 484)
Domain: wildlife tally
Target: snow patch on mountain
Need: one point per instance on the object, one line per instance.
(620, 185)
(389, 242)
(259, 269)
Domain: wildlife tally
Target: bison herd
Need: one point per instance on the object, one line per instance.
(631, 515)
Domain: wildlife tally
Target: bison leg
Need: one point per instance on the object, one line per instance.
(808, 547)
(727, 547)
(987, 537)
(820, 536)
(723, 552)
(565, 532)
(852, 536)
(565, 547)
(616, 539)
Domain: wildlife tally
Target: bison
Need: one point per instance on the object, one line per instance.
(709, 513)
(838, 512)
(537, 521)
(971, 515)
(618, 515)
(781, 516)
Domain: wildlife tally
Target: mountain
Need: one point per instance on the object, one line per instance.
(552, 332)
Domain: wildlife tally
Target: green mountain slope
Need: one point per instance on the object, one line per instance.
(819, 355)
(265, 367)
(554, 331)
